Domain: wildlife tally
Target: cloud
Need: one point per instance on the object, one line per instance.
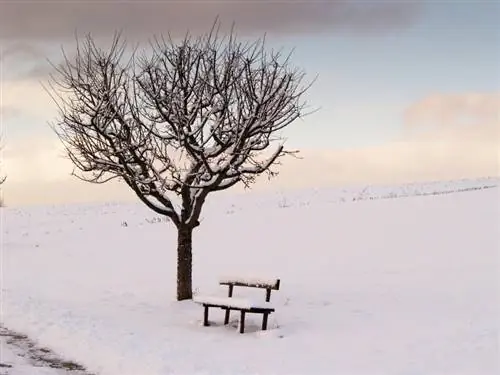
(39, 173)
(57, 19)
(446, 136)
(444, 111)
(444, 158)
(8, 111)
(440, 146)
(35, 159)
(17, 49)
(29, 30)
(27, 98)
(21, 60)
(25, 60)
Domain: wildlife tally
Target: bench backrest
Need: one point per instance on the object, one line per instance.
(267, 284)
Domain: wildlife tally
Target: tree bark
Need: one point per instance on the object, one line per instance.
(184, 263)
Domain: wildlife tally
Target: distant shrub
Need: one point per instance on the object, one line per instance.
(157, 219)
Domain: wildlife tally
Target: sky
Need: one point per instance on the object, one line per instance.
(406, 91)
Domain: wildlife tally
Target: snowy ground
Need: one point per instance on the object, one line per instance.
(21, 356)
(393, 286)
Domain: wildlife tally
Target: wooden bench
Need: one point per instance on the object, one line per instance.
(243, 305)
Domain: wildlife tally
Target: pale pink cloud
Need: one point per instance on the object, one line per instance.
(447, 136)
(454, 110)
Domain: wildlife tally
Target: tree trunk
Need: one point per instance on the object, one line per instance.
(184, 263)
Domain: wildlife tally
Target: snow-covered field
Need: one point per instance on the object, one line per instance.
(393, 286)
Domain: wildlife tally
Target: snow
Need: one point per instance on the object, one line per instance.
(239, 303)
(261, 281)
(371, 283)
(15, 360)
(17, 365)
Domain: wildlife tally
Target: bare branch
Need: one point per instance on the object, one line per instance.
(183, 118)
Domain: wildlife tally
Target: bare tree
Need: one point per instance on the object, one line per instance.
(180, 120)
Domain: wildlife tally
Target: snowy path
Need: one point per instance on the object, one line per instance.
(20, 356)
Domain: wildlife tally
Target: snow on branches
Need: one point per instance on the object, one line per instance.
(187, 117)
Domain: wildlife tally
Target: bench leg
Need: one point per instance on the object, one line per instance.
(226, 317)
(264, 321)
(205, 317)
(242, 322)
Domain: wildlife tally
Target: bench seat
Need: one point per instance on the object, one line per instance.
(233, 303)
(242, 305)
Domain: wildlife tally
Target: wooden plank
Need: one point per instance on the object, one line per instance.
(275, 285)
(232, 303)
(256, 310)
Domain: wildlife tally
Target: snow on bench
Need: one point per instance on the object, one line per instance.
(235, 303)
(256, 282)
(243, 305)
(251, 282)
